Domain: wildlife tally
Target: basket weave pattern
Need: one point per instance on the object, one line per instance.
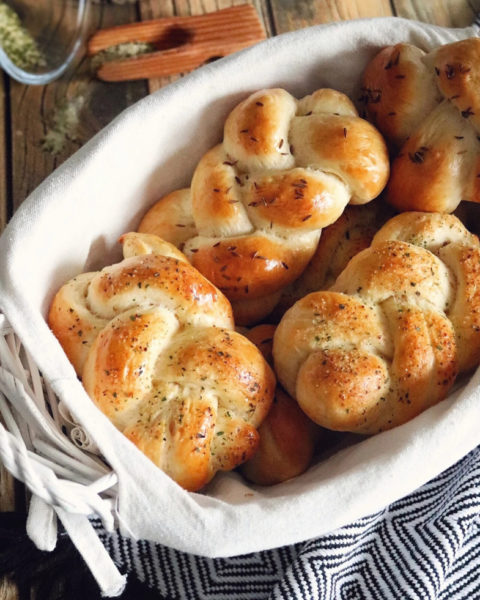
(42, 446)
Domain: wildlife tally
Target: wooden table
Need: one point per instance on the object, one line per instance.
(28, 113)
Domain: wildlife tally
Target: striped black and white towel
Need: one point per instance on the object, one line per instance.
(423, 547)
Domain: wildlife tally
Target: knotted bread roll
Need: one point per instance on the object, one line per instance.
(153, 341)
(286, 168)
(428, 106)
(287, 435)
(389, 337)
(352, 232)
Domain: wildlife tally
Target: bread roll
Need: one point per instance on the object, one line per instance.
(388, 339)
(339, 242)
(287, 435)
(428, 106)
(154, 343)
(286, 169)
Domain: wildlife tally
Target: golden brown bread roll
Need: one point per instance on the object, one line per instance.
(399, 91)
(428, 105)
(387, 340)
(258, 201)
(287, 435)
(287, 444)
(447, 238)
(350, 234)
(153, 341)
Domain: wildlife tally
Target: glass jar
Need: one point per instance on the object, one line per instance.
(40, 38)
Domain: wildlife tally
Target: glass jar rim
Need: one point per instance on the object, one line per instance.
(27, 77)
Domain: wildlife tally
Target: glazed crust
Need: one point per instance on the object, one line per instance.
(427, 105)
(285, 170)
(389, 337)
(171, 219)
(153, 341)
(352, 232)
(446, 237)
(287, 435)
(398, 91)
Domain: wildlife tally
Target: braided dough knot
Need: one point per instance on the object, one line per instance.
(428, 107)
(154, 343)
(257, 203)
(389, 337)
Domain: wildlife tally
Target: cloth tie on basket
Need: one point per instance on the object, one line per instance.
(64, 481)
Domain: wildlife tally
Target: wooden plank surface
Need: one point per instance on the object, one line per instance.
(448, 13)
(35, 110)
(27, 114)
(293, 14)
(289, 14)
(152, 9)
(4, 151)
(8, 590)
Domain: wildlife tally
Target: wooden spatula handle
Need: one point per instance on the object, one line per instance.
(158, 64)
(182, 43)
(194, 29)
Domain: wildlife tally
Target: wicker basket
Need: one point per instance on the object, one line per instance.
(43, 446)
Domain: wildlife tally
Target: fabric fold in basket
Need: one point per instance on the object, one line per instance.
(424, 546)
(72, 222)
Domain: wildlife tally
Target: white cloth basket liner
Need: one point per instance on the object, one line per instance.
(72, 222)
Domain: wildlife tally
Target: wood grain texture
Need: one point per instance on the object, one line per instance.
(34, 109)
(292, 14)
(3, 156)
(152, 9)
(8, 590)
(448, 13)
(7, 491)
(181, 43)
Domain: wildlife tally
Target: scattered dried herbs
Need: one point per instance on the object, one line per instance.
(17, 42)
(120, 51)
(64, 126)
